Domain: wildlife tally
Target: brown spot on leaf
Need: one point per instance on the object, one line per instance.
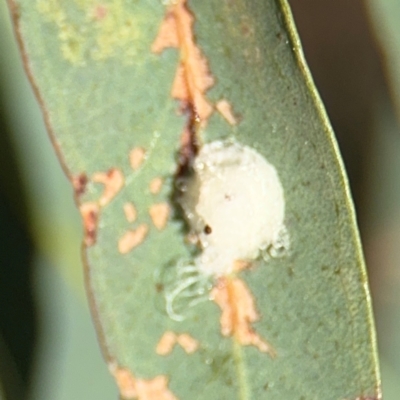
(238, 313)
(79, 183)
(141, 389)
(130, 212)
(159, 287)
(90, 213)
(169, 339)
(113, 181)
(132, 239)
(193, 77)
(225, 109)
(159, 215)
(155, 185)
(136, 157)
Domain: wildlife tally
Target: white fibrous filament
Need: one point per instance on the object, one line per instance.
(234, 203)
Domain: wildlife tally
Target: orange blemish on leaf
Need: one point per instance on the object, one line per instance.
(193, 77)
(188, 343)
(180, 89)
(225, 109)
(238, 313)
(169, 339)
(159, 215)
(166, 343)
(141, 389)
(155, 185)
(90, 213)
(132, 239)
(167, 35)
(113, 181)
(136, 157)
(130, 212)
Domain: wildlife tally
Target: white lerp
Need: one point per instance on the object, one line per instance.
(235, 204)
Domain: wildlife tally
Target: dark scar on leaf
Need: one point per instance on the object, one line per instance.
(190, 149)
(79, 184)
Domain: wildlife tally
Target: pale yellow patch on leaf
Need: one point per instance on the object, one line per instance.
(188, 343)
(159, 215)
(132, 239)
(107, 29)
(238, 313)
(225, 109)
(130, 212)
(136, 157)
(155, 185)
(90, 214)
(115, 30)
(166, 343)
(71, 37)
(141, 389)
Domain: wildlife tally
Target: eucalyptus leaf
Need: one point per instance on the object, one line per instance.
(107, 103)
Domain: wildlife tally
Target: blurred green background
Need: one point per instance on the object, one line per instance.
(48, 347)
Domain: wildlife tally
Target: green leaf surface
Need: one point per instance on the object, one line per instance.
(104, 93)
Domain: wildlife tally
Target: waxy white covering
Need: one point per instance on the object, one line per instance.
(235, 204)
